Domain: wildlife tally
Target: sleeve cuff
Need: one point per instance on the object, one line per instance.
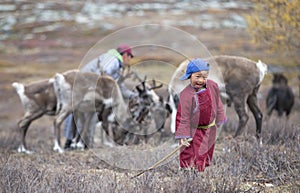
(222, 122)
(182, 137)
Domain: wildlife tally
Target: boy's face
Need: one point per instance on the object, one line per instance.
(198, 79)
(126, 59)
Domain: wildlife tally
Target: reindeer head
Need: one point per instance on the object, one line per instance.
(140, 106)
(146, 92)
(279, 80)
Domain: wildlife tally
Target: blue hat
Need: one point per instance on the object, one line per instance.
(195, 65)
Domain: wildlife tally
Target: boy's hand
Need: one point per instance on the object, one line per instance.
(186, 141)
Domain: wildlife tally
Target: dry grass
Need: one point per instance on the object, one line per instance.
(239, 165)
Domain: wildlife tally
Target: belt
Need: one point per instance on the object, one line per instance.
(207, 126)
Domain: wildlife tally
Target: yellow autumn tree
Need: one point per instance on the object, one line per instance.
(276, 23)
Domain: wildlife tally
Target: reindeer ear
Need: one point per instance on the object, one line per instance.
(138, 88)
(144, 85)
(168, 108)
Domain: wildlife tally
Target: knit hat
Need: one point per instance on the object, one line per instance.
(195, 65)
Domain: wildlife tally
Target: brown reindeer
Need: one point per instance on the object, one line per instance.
(75, 90)
(241, 80)
(86, 93)
(38, 99)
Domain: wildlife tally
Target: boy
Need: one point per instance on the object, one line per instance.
(200, 112)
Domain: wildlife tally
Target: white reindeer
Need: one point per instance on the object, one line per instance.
(85, 92)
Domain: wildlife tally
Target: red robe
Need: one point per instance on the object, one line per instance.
(199, 109)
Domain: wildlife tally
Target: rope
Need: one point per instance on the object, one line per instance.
(160, 161)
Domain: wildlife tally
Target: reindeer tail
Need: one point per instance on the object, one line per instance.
(263, 69)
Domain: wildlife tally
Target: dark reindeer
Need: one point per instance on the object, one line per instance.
(144, 110)
(242, 78)
(152, 111)
(280, 97)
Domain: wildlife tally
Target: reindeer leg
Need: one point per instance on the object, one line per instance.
(74, 128)
(78, 118)
(69, 131)
(57, 124)
(83, 132)
(108, 138)
(98, 134)
(110, 135)
(24, 124)
(240, 108)
(23, 129)
(252, 103)
(91, 130)
(105, 132)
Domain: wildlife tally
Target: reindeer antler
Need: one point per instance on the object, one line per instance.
(154, 86)
(139, 89)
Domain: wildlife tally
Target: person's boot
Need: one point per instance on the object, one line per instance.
(68, 144)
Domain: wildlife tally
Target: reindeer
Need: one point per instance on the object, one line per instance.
(144, 110)
(280, 97)
(150, 109)
(38, 99)
(242, 78)
(87, 93)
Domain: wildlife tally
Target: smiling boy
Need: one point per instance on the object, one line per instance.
(200, 112)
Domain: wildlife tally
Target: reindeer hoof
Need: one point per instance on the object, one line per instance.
(22, 149)
(80, 146)
(108, 144)
(73, 145)
(58, 149)
(260, 142)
